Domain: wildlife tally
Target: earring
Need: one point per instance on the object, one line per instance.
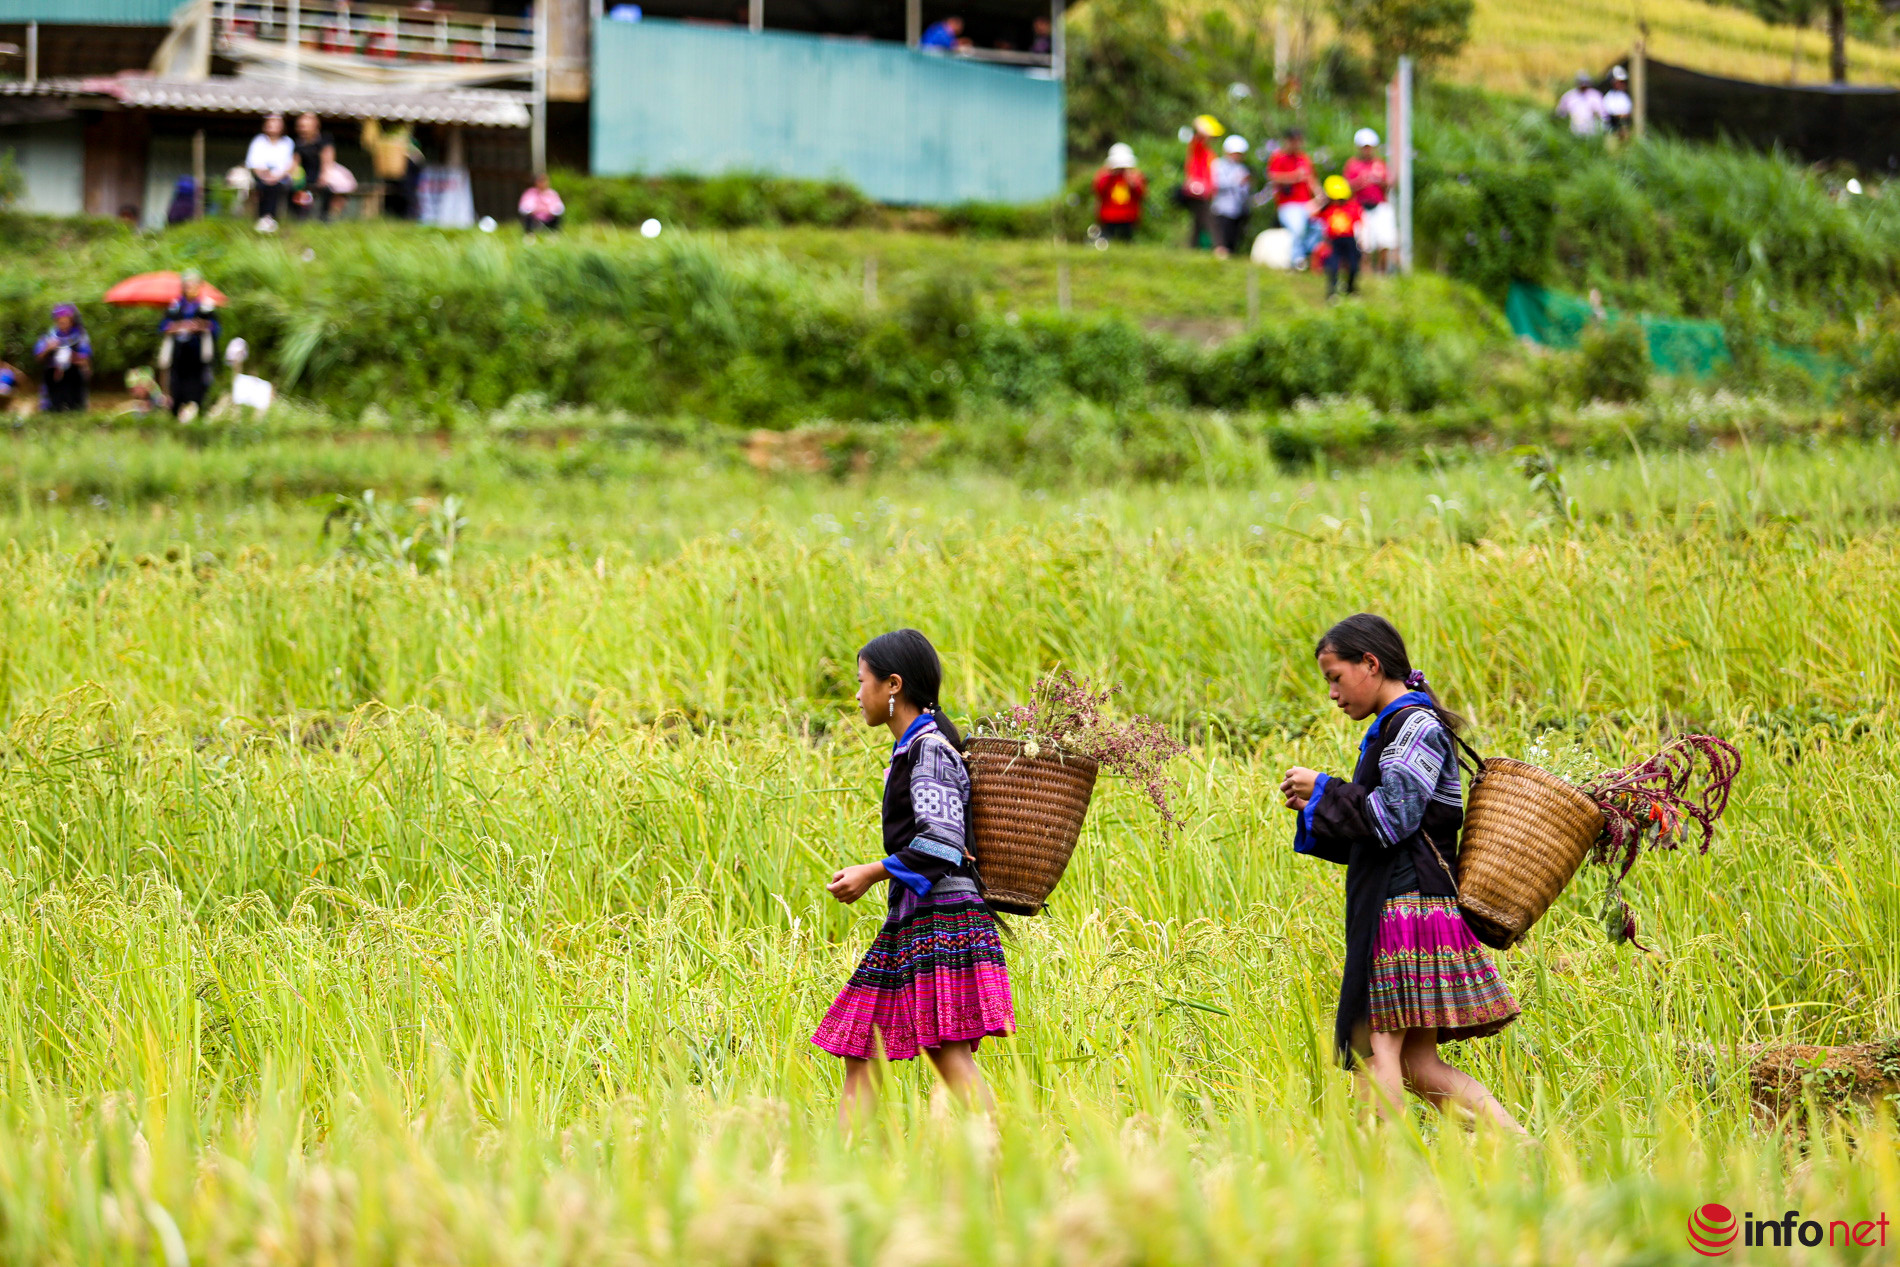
(892, 710)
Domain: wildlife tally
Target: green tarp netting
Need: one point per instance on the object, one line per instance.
(1677, 345)
(1554, 319)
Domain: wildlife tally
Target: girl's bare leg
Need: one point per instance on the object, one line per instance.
(956, 1065)
(859, 1101)
(1446, 1087)
(1382, 1078)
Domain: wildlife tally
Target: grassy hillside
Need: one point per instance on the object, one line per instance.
(1533, 47)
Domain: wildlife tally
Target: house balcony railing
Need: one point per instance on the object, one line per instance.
(320, 31)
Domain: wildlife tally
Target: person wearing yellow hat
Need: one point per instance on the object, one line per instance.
(1339, 218)
(1196, 193)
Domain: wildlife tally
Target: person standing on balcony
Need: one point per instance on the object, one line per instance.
(945, 36)
(316, 153)
(271, 159)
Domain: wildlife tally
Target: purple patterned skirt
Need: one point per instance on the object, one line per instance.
(934, 975)
(1429, 972)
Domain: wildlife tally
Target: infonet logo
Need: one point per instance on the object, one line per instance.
(1714, 1227)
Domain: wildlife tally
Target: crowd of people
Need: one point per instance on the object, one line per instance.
(295, 172)
(1336, 223)
(186, 364)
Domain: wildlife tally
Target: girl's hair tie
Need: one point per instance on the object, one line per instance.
(1415, 679)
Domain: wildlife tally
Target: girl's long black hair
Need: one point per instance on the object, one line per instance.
(1357, 637)
(908, 654)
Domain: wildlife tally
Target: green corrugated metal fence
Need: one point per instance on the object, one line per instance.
(903, 126)
(89, 12)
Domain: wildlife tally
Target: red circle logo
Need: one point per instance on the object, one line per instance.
(1712, 1230)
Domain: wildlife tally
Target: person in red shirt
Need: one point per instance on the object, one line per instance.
(1119, 190)
(1339, 220)
(1371, 187)
(1197, 184)
(1290, 172)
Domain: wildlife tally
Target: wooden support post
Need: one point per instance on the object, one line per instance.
(1399, 151)
(293, 51)
(198, 174)
(538, 122)
(755, 15)
(1058, 40)
(913, 23)
(32, 52)
(1639, 89)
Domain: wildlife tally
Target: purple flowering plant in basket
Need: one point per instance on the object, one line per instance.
(1648, 805)
(1065, 714)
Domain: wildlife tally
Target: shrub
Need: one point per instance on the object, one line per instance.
(1613, 362)
(733, 200)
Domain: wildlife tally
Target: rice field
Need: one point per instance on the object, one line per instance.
(474, 914)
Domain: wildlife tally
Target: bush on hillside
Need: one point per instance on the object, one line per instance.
(1613, 362)
(430, 324)
(732, 201)
(1486, 223)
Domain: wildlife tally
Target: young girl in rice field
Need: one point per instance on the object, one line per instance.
(933, 980)
(1415, 976)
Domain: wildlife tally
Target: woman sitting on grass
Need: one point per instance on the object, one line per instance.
(1415, 976)
(934, 978)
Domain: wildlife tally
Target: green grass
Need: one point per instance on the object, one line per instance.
(357, 916)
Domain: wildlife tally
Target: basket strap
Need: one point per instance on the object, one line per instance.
(1450, 871)
(1474, 767)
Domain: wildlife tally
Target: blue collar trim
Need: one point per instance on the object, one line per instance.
(924, 724)
(1411, 699)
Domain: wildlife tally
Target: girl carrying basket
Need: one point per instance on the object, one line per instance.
(1415, 976)
(934, 978)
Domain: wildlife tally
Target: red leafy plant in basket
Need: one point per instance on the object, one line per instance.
(1065, 714)
(1650, 804)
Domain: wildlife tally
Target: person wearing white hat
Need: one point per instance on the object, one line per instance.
(1371, 185)
(1233, 183)
(1617, 106)
(1119, 190)
(247, 390)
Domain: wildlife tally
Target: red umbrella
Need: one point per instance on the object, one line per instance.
(157, 290)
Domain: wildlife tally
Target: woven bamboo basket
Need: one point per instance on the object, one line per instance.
(1025, 815)
(1526, 833)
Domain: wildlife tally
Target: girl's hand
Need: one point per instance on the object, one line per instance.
(853, 883)
(1297, 786)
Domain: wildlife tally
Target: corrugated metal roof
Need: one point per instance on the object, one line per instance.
(470, 107)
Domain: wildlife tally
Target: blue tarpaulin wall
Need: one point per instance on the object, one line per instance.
(902, 125)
